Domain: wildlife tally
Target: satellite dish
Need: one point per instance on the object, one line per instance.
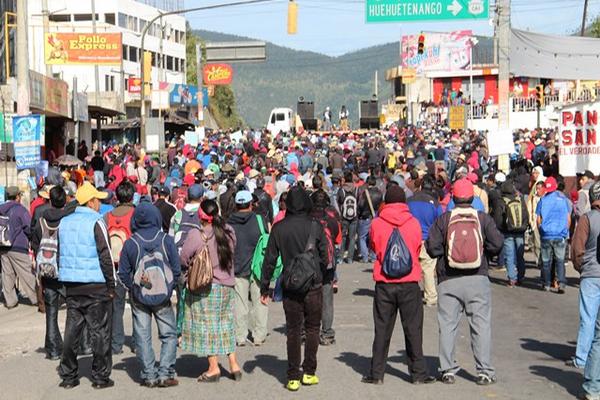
(301, 99)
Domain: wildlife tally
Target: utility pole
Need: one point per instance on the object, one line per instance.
(46, 24)
(96, 79)
(585, 7)
(22, 59)
(503, 33)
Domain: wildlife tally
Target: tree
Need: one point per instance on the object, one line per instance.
(191, 66)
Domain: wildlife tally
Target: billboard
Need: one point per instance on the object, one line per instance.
(578, 146)
(134, 85)
(27, 133)
(83, 48)
(183, 95)
(217, 74)
(448, 52)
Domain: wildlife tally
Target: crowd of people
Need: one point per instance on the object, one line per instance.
(226, 226)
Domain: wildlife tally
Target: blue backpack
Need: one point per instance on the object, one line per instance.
(153, 281)
(189, 221)
(397, 261)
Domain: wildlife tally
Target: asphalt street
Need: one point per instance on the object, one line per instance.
(533, 333)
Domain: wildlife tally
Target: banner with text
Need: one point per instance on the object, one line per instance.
(218, 74)
(27, 133)
(83, 48)
(448, 52)
(578, 147)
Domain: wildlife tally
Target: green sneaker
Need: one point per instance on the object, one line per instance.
(293, 386)
(310, 380)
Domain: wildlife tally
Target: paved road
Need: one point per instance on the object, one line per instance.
(533, 332)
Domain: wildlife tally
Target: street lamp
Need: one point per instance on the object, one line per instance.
(145, 30)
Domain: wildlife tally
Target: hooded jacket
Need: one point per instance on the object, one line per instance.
(392, 216)
(52, 217)
(247, 233)
(425, 208)
(364, 211)
(147, 223)
(290, 236)
(19, 222)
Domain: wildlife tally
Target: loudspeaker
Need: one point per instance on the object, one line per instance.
(369, 109)
(369, 123)
(306, 110)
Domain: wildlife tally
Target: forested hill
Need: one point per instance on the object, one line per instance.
(288, 74)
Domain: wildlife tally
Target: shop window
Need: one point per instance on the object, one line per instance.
(109, 18)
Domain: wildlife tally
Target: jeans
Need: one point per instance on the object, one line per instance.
(553, 250)
(349, 237)
(303, 310)
(589, 303)
(53, 293)
(249, 315)
(391, 299)
(514, 255)
(167, 334)
(118, 331)
(327, 331)
(364, 225)
(95, 312)
(591, 374)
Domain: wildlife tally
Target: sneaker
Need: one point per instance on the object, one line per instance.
(372, 381)
(561, 290)
(103, 385)
(587, 396)
(169, 382)
(546, 288)
(485, 380)
(310, 380)
(511, 283)
(293, 386)
(69, 384)
(448, 378)
(335, 287)
(572, 363)
(326, 341)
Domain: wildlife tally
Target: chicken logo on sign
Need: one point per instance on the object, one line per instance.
(218, 74)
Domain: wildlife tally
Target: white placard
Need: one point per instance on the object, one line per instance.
(500, 142)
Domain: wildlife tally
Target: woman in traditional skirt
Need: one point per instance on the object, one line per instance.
(207, 328)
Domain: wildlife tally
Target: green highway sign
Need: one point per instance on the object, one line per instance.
(425, 10)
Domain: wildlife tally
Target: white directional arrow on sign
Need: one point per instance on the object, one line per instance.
(455, 8)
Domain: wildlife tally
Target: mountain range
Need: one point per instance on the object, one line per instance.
(288, 74)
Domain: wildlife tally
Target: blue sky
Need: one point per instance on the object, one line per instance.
(335, 27)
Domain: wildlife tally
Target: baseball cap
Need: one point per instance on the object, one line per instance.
(164, 191)
(12, 191)
(87, 192)
(463, 189)
(195, 192)
(500, 177)
(587, 173)
(551, 185)
(243, 197)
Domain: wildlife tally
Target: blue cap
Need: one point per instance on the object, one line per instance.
(195, 192)
(243, 197)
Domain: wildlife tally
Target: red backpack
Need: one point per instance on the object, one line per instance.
(465, 242)
(119, 230)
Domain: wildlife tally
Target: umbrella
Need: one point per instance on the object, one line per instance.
(69, 161)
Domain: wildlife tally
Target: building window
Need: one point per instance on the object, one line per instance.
(109, 83)
(132, 23)
(133, 54)
(125, 52)
(153, 59)
(83, 17)
(122, 20)
(170, 63)
(109, 18)
(60, 17)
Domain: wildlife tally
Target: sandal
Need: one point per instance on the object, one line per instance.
(205, 378)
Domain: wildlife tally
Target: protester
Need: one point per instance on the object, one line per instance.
(87, 270)
(369, 201)
(462, 269)
(513, 226)
(167, 210)
(347, 199)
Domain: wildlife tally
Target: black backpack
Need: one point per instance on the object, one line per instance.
(397, 261)
(300, 275)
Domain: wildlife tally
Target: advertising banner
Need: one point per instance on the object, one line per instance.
(134, 85)
(578, 147)
(57, 96)
(448, 52)
(183, 95)
(218, 74)
(27, 135)
(83, 48)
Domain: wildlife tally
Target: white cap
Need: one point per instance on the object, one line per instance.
(500, 177)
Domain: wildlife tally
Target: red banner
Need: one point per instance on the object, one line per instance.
(134, 85)
(218, 74)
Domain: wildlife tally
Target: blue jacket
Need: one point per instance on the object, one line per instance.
(146, 222)
(554, 210)
(425, 209)
(476, 204)
(19, 222)
(79, 258)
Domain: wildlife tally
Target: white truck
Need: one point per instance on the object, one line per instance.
(281, 120)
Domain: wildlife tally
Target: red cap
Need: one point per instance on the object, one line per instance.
(463, 189)
(550, 184)
(189, 180)
(471, 176)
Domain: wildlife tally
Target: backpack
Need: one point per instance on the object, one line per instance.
(5, 234)
(46, 259)
(299, 276)
(153, 281)
(189, 220)
(180, 196)
(119, 230)
(200, 274)
(259, 254)
(349, 206)
(513, 214)
(397, 260)
(464, 239)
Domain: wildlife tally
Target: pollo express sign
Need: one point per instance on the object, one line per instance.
(218, 74)
(578, 142)
(83, 48)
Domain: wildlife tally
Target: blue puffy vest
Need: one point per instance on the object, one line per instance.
(79, 260)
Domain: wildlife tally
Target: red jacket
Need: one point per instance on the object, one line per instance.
(390, 216)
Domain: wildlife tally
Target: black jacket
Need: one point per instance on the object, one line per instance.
(364, 211)
(247, 233)
(52, 216)
(437, 244)
(289, 238)
(227, 202)
(265, 205)
(167, 210)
